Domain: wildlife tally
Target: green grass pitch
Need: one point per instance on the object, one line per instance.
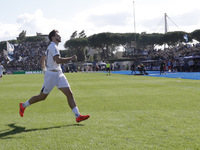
(127, 112)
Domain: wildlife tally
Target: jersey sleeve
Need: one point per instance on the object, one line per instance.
(55, 51)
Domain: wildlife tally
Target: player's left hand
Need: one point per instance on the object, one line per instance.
(74, 58)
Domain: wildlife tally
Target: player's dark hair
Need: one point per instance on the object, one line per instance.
(52, 34)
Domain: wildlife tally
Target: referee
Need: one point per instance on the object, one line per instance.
(108, 68)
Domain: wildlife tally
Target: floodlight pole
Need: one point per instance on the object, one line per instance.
(165, 16)
(134, 22)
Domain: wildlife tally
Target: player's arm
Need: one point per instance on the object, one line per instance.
(60, 60)
(42, 62)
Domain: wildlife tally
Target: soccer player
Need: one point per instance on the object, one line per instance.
(162, 67)
(108, 68)
(1, 71)
(133, 68)
(54, 77)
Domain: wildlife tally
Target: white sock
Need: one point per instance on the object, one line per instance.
(76, 111)
(26, 104)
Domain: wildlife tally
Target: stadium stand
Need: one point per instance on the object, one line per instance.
(27, 55)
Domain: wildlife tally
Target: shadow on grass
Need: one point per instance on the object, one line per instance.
(17, 130)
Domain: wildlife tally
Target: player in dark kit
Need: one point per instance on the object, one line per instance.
(133, 68)
(162, 67)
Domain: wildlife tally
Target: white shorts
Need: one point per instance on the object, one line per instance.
(52, 79)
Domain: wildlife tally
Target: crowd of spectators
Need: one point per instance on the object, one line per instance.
(26, 56)
(175, 53)
(181, 58)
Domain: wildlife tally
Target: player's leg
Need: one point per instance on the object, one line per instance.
(107, 69)
(64, 86)
(70, 98)
(37, 98)
(32, 100)
(49, 83)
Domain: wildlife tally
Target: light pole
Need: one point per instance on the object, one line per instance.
(134, 22)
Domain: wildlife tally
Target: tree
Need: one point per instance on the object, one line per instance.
(22, 35)
(196, 35)
(105, 43)
(173, 38)
(102, 41)
(150, 40)
(2, 46)
(82, 34)
(77, 45)
(74, 35)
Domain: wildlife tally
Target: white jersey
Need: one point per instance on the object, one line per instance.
(52, 50)
(1, 70)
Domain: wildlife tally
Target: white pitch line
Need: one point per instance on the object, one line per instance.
(162, 83)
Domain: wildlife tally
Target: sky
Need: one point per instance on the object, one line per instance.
(95, 16)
